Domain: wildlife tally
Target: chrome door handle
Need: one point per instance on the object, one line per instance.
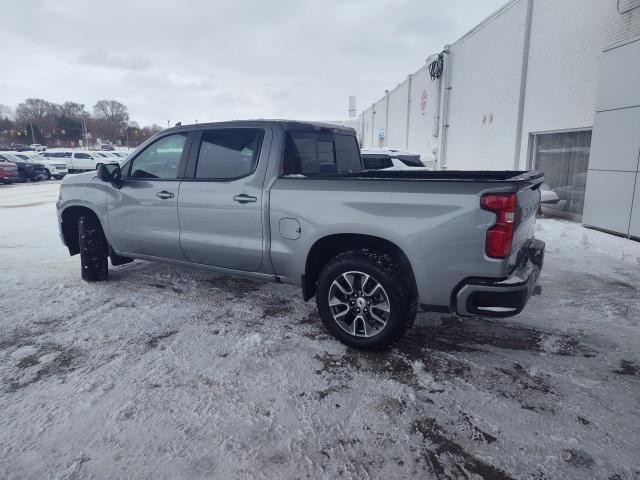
(244, 198)
(164, 194)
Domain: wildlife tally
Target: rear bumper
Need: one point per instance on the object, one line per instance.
(503, 298)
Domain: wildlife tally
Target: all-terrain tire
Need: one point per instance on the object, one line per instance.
(396, 282)
(94, 249)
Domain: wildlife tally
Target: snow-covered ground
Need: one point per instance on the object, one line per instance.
(167, 372)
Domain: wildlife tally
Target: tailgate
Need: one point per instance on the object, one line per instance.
(528, 197)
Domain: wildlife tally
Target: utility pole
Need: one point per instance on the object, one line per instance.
(33, 137)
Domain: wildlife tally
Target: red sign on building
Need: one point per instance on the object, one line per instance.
(423, 100)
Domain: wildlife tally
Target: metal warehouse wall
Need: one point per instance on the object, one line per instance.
(486, 68)
(413, 104)
(379, 121)
(567, 40)
(396, 136)
(421, 121)
(367, 127)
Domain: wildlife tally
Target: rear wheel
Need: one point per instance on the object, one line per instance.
(47, 175)
(94, 249)
(365, 299)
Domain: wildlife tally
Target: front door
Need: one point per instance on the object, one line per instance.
(143, 213)
(220, 204)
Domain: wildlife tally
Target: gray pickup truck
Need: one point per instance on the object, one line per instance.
(290, 202)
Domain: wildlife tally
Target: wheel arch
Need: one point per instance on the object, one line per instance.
(69, 225)
(327, 247)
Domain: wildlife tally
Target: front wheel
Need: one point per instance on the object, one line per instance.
(365, 299)
(94, 249)
(47, 175)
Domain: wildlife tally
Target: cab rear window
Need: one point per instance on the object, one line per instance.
(312, 153)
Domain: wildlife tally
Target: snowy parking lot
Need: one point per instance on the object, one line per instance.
(168, 372)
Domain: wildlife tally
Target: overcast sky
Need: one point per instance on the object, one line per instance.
(219, 60)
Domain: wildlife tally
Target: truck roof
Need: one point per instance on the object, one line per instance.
(288, 125)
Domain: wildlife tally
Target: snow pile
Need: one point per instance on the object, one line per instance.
(563, 236)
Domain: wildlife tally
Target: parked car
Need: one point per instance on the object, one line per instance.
(548, 196)
(27, 170)
(37, 147)
(56, 168)
(3, 148)
(20, 147)
(8, 171)
(81, 161)
(107, 146)
(290, 202)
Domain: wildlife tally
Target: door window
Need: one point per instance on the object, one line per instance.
(228, 153)
(83, 156)
(161, 159)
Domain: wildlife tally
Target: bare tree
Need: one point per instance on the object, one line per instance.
(5, 111)
(39, 115)
(114, 113)
(35, 110)
(72, 110)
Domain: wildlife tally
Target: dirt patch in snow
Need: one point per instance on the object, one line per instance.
(237, 287)
(385, 364)
(47, 360)
(154, 340)
(448, 459)
(627, 368)
(277, 306)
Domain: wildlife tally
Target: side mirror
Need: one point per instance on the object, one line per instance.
(109, 172)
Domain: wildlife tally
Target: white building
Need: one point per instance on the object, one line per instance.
(517, 91)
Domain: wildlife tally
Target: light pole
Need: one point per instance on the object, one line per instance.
(83, 125)
(33, 137)
(84, 130)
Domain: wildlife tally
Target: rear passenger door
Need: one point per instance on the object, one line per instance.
(221, 198)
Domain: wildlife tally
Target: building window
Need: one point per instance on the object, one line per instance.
(564, 159)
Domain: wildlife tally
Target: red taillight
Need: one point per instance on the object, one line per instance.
(500, 236)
